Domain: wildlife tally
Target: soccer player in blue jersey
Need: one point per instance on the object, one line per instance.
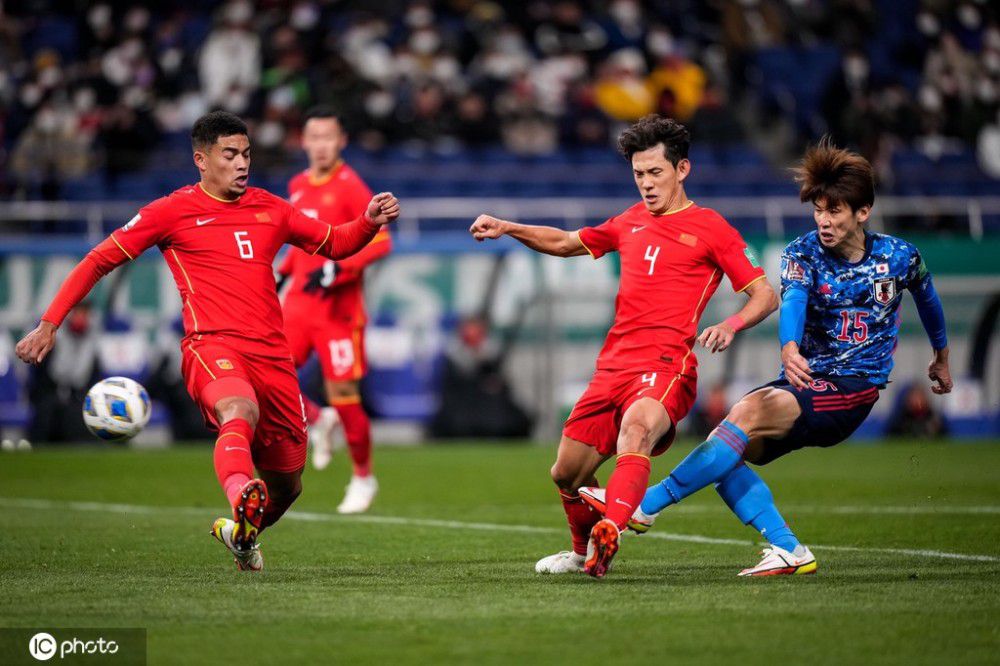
(841, 291)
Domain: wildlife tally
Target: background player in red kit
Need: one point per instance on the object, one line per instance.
(219, 239)
(673, 255)
(324, 307)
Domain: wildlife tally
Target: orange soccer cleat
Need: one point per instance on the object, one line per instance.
(601, 548)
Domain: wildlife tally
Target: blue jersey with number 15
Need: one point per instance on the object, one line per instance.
(852, 316)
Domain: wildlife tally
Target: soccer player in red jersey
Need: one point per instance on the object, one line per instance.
(219, 238)
(673, 256)
(324, 307)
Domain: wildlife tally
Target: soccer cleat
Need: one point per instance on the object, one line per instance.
(780, 562)
(248, 513)
(564, 562)
(639, 522)
(321, 436)
(601, 548)
(360, 493)
(246, 560)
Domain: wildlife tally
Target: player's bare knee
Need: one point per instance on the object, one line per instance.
(565, 476)
(635, 437)
(238, 408)
(746, 414)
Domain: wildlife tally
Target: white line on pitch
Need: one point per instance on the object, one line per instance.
(454, 524)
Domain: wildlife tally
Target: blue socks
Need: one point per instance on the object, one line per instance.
(709, 463)
(751, 500)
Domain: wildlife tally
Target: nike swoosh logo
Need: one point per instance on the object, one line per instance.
(635, 229)
(203, 222)
(618, 501)
(236, 448)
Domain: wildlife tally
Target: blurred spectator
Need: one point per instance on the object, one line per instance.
(476, 399)
(915, 417)
(710, 410)
(60, 383)
(229, 66)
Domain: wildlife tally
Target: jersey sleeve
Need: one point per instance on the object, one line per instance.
(358, 197)
(601, 239)
(736, 259)
(146, 229)
(796, 272)
(917, 275)
(305, 232)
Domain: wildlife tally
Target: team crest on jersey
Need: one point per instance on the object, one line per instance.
(327, 199)
(131, 223)
(885, 289)
(263, 217)
(224, 363)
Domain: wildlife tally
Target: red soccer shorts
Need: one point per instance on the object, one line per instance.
(213, 369)
(597, 416)
(340, 346)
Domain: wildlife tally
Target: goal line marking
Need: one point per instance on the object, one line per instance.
(310, 516)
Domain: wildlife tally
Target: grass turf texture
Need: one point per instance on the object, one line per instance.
(348, 590)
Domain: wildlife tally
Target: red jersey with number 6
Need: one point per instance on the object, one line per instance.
(221, 255)
(323, 288)
(671, 265)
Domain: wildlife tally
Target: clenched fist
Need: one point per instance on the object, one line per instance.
(487, 226)
(383, 208)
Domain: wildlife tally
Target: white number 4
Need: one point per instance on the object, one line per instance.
(651, 254)
(244, 244)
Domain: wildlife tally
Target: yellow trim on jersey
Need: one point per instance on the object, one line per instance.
(352, 400)
(328, 230)
(316, 182)
(193, 316)
(130, 257)
(694, 317)
(580, 238)
(674, 211)
(356, 339)
(184, 272)
(228, 434)
(215, 197)
(756, 279)
(200, 360)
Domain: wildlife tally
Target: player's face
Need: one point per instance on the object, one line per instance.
(660, 183)
(225, 166)
(837, 223)
(323, 139)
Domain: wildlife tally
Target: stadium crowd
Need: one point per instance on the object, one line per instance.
(84, 85)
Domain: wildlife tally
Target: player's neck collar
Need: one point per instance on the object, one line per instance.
(674, 211)
(212, 196)
(323, 180)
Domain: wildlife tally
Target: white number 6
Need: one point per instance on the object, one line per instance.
(244, 244)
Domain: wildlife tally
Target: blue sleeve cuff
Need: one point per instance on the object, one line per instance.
(792, 318)
(931, 313)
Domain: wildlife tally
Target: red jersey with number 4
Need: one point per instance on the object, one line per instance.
(221, 255)
(670, 266)
(320, 287)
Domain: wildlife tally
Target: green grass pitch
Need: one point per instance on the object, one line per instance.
(441, 570)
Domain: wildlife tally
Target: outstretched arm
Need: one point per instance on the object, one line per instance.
(100, 261)
(762, 301)
(340, 242)
(547, 240)
(932, 317)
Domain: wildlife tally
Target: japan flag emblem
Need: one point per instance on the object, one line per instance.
(882, 269)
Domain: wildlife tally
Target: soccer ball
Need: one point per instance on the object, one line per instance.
(116, 409)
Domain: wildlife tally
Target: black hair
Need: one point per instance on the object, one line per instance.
(652, 130)
(207, 129)
(321, 111)
(835, 175)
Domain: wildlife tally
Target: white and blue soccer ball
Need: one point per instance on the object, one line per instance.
(116, 409)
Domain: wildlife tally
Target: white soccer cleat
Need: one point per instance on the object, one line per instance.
(564, 562)
(780, 562)
(639, 522)
(321, 436)
(360, 493)
(246, 560)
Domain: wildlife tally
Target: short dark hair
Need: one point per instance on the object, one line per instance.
(211, 126)
(654, 129)
(836, 175)
(321, 111)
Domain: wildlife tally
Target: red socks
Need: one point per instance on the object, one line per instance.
(311, 410)
(358, 432)
(581, 519)
(626, 487)
(233, 462)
